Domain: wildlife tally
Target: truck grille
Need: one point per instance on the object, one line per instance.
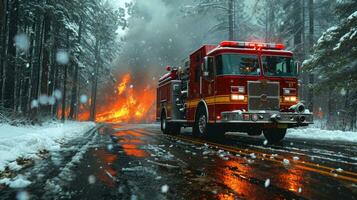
(263, 95)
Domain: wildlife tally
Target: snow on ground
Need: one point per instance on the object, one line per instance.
(27, 141)
(319, 134)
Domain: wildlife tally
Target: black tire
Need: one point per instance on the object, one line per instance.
(169, 128)
(274, 135)
(163, 124)
(202, 129)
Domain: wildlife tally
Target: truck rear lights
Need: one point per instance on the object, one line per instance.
(237, 97)
(290, 99)
(238, 89)
(255, 45)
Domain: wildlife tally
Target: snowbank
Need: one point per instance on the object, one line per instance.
(319, 134)
(26, 141)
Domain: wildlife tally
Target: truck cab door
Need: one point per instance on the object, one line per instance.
(207, 86)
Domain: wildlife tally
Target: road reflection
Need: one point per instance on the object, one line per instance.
(131, 141)
(105, 160)
(292, 179)
(235, 176)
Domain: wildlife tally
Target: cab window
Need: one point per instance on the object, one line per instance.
(237, 64)
(278, 66)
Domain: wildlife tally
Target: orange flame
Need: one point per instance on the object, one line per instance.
(131, 103)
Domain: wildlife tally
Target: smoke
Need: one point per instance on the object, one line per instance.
(161, 33)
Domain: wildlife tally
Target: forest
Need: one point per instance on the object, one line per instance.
(58, 58)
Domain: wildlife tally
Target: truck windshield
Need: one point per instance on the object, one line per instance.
(237, 64)
(278, 66)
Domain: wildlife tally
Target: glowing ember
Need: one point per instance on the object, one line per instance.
(130, 105)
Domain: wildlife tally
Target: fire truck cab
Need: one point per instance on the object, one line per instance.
(233, 87)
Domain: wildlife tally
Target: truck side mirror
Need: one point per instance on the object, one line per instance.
(207, 66)
(297, 67)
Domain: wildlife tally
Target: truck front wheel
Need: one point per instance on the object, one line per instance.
(274, 135)
(203, 129)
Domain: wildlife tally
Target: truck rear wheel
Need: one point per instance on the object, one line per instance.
(274, 135)
(167, 127)
(163, 124)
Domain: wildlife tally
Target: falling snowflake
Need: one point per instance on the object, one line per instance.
(265, 142)
(83, 99)
(51, 100)
(43, 99)
(286, 162)
(267, 183)
(164, 188)
(34, 103)
(91, 179)
(22, 195)
(22, 42)
(62, 57)
(57, 94)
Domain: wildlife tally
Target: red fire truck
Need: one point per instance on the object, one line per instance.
(235, 86)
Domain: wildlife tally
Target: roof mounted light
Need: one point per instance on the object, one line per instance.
(255, 45)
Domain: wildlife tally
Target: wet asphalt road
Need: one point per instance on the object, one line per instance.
(138, 162)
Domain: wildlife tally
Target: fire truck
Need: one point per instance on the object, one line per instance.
(233, 87)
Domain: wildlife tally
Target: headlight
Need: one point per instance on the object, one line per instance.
(290, 99)
(237, 97)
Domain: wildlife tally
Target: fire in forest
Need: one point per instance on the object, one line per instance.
(131, 103)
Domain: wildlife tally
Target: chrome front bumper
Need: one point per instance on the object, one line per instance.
(267, 117)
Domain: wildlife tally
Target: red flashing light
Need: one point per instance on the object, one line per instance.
(280, 46)
(254, 45)
(228, 44)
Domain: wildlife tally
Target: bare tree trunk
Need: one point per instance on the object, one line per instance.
(74, 95)
(54, 74)
(64, 96)
(9, 92)
(63, 117)
(331, 109)
(297, 29)
(311, 24)
(44, 89)
(36, 68)
(231, 19)
(3, 42)
(95, 84)
(311, 44)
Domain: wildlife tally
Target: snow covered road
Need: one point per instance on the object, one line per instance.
(138, 162)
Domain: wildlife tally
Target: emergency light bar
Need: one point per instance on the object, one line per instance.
(252, 45)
